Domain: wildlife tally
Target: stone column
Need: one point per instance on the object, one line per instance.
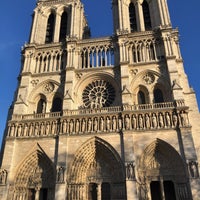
(37, 194)
(35, 17)
(57, 28)
(139, 15)
(131, 190)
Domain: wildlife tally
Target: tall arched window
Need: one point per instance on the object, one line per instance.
(132, 17)
(41, 106)
(158, 96)
(56, 105)
(63, 27)
(141, 97)
(147, 17)
(50, 28)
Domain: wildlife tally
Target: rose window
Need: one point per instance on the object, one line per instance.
(98, 94)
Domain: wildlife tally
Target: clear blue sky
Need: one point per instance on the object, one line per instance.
(15, 22)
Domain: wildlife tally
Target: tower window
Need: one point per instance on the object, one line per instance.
(141, 98)
(50, 28)
(158, 96)
(57, 105)
(132, 17)
(63, 27)
(147, 17)
(41, 106)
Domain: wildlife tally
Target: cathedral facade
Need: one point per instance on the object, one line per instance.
(108, 118)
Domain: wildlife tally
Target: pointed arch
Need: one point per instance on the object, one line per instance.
(99, 150)
(158, 95)
(160, 161)
(96, 162)
(132, 17)
(63, 26)
(41, 104)
(56, 104)
(50, 28)
(35, 173)
(146, 14)
(160, 158)
(142, 95)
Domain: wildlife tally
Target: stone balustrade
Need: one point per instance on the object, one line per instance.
(167, 115)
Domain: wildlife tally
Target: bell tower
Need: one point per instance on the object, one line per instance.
(53, 21)
(140, 15)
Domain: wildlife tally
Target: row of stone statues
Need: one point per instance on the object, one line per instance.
(113, 123)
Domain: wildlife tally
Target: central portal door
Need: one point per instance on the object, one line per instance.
(92, 191)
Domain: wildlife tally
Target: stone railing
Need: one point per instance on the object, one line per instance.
(111, 119)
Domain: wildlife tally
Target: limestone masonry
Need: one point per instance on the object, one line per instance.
(109, 118)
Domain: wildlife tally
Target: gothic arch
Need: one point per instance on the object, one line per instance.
(160, 164)
(89, 78)
(48, 89)
(35, 172)
(97, 162)
(160, 158)
(150, 80)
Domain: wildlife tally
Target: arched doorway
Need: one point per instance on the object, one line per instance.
(35, 178)
(162, 173)
(97, 172)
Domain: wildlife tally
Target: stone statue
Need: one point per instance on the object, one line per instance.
(101, 124)
(25, 130)
(140, 122)
(114, 124)
(193, 169)
(19, 130)
(154, 121)
(168, 122)
(12, 130)
(95, 124)
(47, 128)
(83, 125)
(3, 176)
(175, 119)
(130, 171)
(160, 120)
(60, 174)
(36, 129)
(183, 118)
(77, 126)
(71, 126)
(42, 129)
(134, 122)
(120, 123)
(64, 127)
(107, 123)
(147, 121)
(89, 125)
(43, 107)
(53, 128)
(31, 129)
(127, 122)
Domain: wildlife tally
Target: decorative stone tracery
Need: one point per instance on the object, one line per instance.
(98, 94)
(34, 173)
(95, 162)
(160, 161)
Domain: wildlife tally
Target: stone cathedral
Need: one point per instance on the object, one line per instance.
(107, 118)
